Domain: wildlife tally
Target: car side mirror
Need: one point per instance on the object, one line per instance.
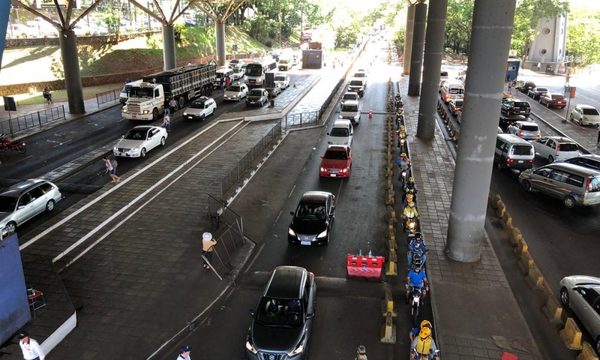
(292, 213)
(327, 133)
(310, 316)
(251, 313)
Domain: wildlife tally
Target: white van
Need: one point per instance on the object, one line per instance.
(222, 74)
(350, 110)
(512, 152)
(341, 133)
(452, 90)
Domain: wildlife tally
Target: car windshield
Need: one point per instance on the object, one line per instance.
(283, 61)
(568, 147)
(336, 155)
(197, 105)
(350, 108)
(341, 132)
(279, 78)
(136, 134)
(349, 96)
(359, 75)
(7, 204)
(356, 83)
(522, 150)
(256, 93)
(234, 88)
(521, 105)
(456, 91)
(280, 312)
(458, 103)
(311, 210)
(589, 111)
(126, 88)
(529, 127)
(140, 92)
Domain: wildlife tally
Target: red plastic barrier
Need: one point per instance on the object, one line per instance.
(364, 266)
(509, 356)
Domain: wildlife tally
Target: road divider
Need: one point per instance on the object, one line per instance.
(571, 335)
(587, 352)
(388, 331)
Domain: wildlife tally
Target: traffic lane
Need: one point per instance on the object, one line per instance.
(347, 315)
(561, 241)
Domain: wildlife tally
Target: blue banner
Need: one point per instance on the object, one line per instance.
(4, 13)
(14, 307)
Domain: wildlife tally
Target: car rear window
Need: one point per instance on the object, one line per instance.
(456, 90)
(256, 92)
(279, 78)
(587, 111)
(350, 108)
(557, 97)
(349, 97)
(521, 150)
(339, 132)
(356, 83)
(529, 127)
(568, 147)
(336, 155)
(235, 88)
(521, 104)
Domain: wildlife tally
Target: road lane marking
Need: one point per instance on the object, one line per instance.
(292, 191)
(146, 168)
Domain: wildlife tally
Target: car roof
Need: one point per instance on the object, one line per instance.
(513, 139)
(585, 106)
(338, 147)
(143, 127)
(573, 168)
(341, 123)
(351, 102)
(525, 122)
(315, 195)
(561, 139)
(286, 282)
(20, 187)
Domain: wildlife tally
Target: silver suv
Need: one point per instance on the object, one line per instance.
(22, 201)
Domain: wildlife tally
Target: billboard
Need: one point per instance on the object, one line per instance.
(45, 4)
(14, 307)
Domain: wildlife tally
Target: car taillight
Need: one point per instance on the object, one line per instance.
(520, 133)
(530, 161)
(557, 149)
(323, 169)
(510, 161)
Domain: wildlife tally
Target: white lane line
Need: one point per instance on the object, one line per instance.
(97, 228)
(292, 191)
(260, 249)
(277, 218)
(91, 203)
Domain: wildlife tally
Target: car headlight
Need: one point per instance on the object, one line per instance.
(185, 114)
(299, 349)
(115, 149)
(291, 232)
(322, 235)
(250, 347)
(146, 112)
(124, 109)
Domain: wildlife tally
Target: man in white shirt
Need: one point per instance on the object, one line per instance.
(184, 353)
(31, 349)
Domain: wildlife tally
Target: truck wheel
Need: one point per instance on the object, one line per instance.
(181, 102)
(155, 114)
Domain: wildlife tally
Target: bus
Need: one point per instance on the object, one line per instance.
(255, 72)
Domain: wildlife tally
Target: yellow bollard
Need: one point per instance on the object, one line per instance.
(571, 335)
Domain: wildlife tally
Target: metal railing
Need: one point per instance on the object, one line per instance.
(297, 120)
(108, 96)
(37, 119)
(243, 166)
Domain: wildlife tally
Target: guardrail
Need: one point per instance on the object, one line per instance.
(108, 96)
(243, 166)
(37, 119)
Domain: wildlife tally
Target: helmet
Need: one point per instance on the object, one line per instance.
(425, 323)
(206, 236)
(411, 180)
(417, 261)
(403, 155)
(425, 332)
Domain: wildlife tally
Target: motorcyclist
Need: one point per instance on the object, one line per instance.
(398, 101)
(408, 197)
(416, 246)
(411, 186)
(401, 132)
(416, 278)
(423, 345)
(403, 163)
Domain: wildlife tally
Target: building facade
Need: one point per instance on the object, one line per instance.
(546, 52)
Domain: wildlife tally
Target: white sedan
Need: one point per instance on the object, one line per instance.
(139, 140)
(582, 295)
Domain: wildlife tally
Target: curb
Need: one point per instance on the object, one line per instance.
(561, 133)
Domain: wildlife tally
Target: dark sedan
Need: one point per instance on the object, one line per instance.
(313, 219)
(536, 92)
(512, 107)
(282, 322)
(527, 85)
(553, 100)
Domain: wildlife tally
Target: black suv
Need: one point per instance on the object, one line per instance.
(512, 107)
(313, 219)
(281, 325)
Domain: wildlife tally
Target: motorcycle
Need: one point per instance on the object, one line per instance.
(402, 143)
(7, 144)
(417, 356)
(398, 102)
(415, 299)
(411, 225)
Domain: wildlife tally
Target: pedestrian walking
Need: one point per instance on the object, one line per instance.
(167, 122)
(31, 349)
(208, 247)
(184, 353)
(47, 95)
(111, 169)
(173, 105)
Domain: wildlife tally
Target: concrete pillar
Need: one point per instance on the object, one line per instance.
(220, 29)
(416, 55)
(4, 12)
(432, 63)
(68, 51)
(408, 38)
(490, 42)
(168, 47)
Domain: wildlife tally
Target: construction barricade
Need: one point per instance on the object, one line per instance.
(364, 266)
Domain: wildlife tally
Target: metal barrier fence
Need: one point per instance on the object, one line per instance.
(301, 119)
(108, 96)
(244, 165)
(37, 119)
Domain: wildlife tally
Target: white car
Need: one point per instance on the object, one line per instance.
(555, 148)
(200, 108)
(341, 133)
(526, 130)
(350, 110)
(236, 63)
(235, 92)
(139, 140)
(349, 95)
(582, 295)
(24, 200)
(283, 80)
(585, 115)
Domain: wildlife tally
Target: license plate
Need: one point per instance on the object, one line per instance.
(333, 175)
(520, 161)
(134, 116)
(305, 243)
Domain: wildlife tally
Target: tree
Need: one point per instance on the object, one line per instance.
(583, 41)
(458, 25)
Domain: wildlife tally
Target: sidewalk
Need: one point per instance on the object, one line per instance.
(476, 315)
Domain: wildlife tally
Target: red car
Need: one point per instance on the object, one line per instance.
(336, 162)
(553, 100)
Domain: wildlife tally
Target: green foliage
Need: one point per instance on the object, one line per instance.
(458, 25)
(583, 41)
(56, 67)
(346, 35)
(399, 39)
(111, 17)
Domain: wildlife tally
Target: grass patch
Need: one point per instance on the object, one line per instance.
(61, 95)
